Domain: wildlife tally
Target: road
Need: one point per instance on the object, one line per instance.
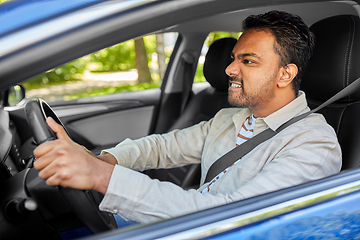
(90, 82)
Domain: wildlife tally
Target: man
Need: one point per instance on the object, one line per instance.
(268, 62)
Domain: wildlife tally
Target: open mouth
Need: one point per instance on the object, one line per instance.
(235, 85)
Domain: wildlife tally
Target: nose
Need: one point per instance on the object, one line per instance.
(232, 70)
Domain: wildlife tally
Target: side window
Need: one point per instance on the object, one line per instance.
(199, 77)
(133, 65)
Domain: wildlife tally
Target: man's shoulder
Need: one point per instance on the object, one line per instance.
(316, 123)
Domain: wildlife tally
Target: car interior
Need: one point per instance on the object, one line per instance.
(179, 103)
(202, 107)
(332, 67)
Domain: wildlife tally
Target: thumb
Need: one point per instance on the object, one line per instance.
(57, 128)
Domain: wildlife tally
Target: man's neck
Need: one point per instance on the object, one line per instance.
(278, 102)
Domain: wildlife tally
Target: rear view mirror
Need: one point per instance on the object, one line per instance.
(15, 95)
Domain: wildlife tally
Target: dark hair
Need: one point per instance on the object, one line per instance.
(294, 40)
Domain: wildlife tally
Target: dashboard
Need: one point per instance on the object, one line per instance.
(14, 156)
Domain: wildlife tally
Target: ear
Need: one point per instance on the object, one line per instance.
(287, 74)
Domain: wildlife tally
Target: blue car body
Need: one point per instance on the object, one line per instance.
(35, 11)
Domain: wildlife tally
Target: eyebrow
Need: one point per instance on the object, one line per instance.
(244, 55)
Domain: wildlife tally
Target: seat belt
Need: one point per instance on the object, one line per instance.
(243, 149)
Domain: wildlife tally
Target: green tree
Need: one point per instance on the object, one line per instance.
(69, 72)
(161, 57)
(141, 61)
(120, 57)
(217, 35)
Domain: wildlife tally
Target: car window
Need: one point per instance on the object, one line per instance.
(133, 65)
(199, 77)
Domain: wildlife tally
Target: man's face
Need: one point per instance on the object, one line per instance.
(254, 70)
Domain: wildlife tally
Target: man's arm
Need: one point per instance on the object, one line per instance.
(63, 162)
(173, 149)
(137, 197)
(144, 200)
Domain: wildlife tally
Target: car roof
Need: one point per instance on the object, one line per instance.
(36, 11)
(231, 21)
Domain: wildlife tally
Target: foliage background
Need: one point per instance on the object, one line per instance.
(120, 57)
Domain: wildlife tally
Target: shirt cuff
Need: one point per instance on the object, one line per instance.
(118, 198)
(109, 151)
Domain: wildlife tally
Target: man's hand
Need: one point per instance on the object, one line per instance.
(63, 162)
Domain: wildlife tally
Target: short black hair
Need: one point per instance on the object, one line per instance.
(294, 40)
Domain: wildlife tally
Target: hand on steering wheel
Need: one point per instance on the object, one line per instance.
(63, 162)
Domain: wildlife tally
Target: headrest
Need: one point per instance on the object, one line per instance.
(216, 61)
(336, 58)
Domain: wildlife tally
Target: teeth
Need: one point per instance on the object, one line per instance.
(236, 85)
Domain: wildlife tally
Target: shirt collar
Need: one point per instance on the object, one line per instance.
(292, 109)
(276, 119)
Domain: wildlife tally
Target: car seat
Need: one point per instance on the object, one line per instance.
(201, 107)
(204, 105)
(333, 66)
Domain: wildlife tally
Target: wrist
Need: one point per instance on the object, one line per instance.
(107, 157)
(103, 179)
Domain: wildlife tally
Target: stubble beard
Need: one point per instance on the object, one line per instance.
(236, 98)
(252, 100)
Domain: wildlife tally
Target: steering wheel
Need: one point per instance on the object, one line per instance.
(58, 201)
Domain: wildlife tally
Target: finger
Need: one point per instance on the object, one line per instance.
(53, 178)
(57, 180)
(53, 181)
(56, 173)
(57, 128)
(45, 148)
(47, 171)
(62, 172)
(43, 162)
(49, 152)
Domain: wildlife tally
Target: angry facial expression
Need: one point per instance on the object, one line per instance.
(254, 72)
